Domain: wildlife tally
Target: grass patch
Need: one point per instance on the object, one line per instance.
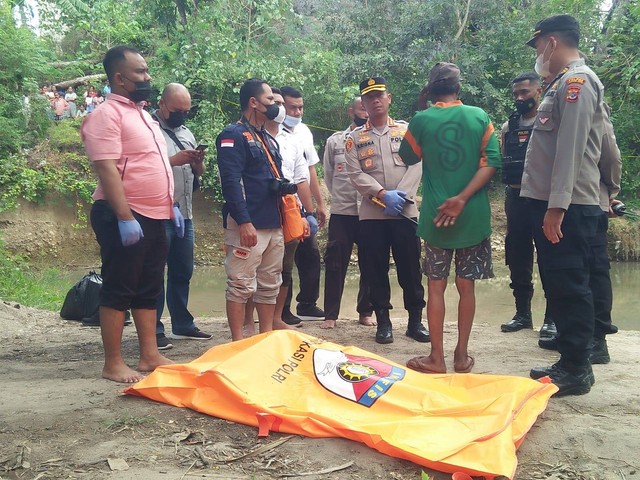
(625, 234)
(39, 289)
(126, 421)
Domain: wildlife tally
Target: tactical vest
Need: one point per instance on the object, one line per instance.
(515, 149)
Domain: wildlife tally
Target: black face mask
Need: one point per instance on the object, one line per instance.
(359, 121)
(176, 119)
(272, 111)
(525, 106)
(141, 92)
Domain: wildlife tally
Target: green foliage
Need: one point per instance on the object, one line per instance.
(65, 136)
(621, 74)
(72, 177)
(19, 283)
(22, 62)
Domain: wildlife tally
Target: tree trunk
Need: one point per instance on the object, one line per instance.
(98, 77)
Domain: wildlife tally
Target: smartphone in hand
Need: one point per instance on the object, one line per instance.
(202, 147)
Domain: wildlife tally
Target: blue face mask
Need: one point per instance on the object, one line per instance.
(292, 121)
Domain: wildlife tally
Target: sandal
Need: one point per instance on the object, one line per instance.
(468, 368)
(417, 364)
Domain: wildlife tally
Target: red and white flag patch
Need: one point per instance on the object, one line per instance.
(227, 142)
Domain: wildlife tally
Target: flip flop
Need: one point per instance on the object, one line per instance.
(469, 366)
(414, 364)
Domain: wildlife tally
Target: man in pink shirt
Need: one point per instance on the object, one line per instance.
(134, 195)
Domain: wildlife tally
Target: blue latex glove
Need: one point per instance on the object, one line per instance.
(313, 224)
(394, 201)
(130, 232)
(178, 222)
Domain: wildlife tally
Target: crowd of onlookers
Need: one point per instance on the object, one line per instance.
(71, 104)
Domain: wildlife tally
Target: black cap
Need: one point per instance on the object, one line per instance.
(557, 23)
(373, 84)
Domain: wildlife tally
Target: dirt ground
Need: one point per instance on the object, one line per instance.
(59, 419)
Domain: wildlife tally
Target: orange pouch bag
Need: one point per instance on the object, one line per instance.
(292, 225)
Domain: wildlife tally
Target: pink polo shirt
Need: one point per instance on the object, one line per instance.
(120, 129)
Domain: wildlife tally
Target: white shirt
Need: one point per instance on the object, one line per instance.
(294, 165)
(305, 137)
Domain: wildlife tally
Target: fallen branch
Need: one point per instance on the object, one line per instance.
(319, 472)
(262, 449)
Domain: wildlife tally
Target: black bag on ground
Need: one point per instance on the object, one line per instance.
(82, 301)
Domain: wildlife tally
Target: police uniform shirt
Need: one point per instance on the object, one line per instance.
(182, 174)
(344, 197)
(610, 166)
(561, 165)
(373, 164)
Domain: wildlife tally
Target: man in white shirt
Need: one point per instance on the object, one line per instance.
(307, 256)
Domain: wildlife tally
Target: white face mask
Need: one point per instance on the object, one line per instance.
(292, 121)
(542, 67)
(281, 115)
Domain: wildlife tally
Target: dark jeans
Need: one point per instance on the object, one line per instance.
(308, 264)
(376, 238)
(566, 266)
(343, 233)
(179, 272)
(600, 280)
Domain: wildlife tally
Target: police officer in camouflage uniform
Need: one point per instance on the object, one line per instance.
(377, 171)
(343, 224)
(562, 181)
(516, 132)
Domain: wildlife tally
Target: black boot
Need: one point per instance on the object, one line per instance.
(384, 332)
(599, 352)
(522, 318)
(416, 329)
(548, 328)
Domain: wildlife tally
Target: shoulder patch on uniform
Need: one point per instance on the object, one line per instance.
(573, 92)
(348, 145)
(579, 80)
(247, 135)
(227, 142)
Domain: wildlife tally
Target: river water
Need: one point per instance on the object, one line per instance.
(493, 297)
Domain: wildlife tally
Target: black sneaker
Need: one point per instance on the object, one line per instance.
(310, 312)
(518, 322)
(163, 342)
(195, 334)
(572, 382)
(548, 329)
(599, 352)
(289, 318)
(539, 372)
(548, 343)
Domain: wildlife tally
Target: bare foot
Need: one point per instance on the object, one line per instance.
(248, 331)
(367, 320)
(328, 324)
(426, 364)
(121, 374)
(280, 325)
(150, 364)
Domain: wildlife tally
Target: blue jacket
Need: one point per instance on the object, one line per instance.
(243, 162)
